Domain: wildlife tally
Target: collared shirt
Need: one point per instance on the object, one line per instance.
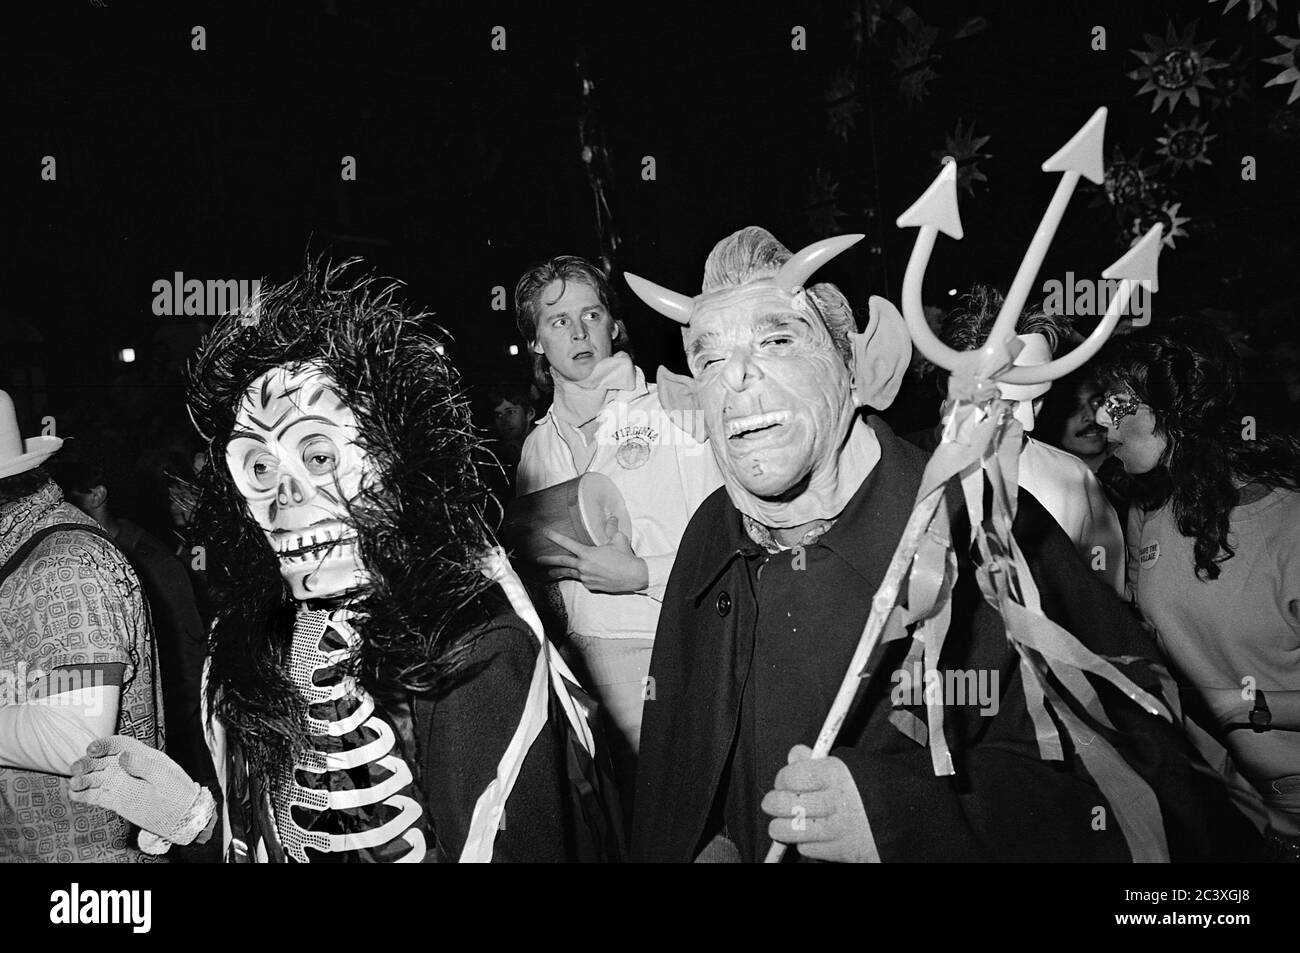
(74, 601)
(803, 640)
(663, 474)
(767, 640)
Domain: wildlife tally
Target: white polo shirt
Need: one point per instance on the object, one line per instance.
(663, 473)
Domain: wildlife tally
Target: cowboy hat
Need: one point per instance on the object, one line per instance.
(16, 455)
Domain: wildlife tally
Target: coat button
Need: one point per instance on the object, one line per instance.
(724, 603)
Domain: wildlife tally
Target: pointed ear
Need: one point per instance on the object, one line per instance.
(679, 397)
(881, 355)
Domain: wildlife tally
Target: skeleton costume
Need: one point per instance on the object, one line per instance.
(378, 686)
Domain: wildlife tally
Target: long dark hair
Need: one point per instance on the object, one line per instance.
(419, 524)
(1188, 375)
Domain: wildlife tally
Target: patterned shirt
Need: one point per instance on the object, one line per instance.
(74, 600)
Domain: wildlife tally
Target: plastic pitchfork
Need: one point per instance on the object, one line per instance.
(936, 211)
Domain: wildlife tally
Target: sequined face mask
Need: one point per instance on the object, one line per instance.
(1116, 406)
(294, 457)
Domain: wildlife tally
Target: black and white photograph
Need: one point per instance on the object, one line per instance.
(853, 432)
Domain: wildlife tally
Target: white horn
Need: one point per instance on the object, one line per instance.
(668, 303)
(796, 272)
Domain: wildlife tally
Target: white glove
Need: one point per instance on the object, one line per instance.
(144, 786)
(815, 805)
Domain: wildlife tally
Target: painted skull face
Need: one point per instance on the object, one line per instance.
(294, 457)
(774, 390)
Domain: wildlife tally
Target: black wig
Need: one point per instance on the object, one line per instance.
(1188, 375)
(419, 525)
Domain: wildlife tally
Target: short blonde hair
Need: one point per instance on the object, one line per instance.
(528, 294)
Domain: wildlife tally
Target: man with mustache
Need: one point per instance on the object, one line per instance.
(1069, 419)
(1069, 422)
(773, 582)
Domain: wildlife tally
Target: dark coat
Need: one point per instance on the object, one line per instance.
(182, 646)
(550, 816)
(776, 633)
(562, 806)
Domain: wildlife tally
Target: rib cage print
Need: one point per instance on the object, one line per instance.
(352, 790)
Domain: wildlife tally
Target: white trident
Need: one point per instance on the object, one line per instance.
(936, 211)
(975, 424)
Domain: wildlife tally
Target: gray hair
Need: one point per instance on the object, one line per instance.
(754, 253)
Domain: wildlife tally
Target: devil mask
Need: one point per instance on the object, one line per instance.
(778, 372)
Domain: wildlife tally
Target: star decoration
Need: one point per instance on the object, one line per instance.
(1128, 182)
(1174, 67)
(1253, 6)
(842, 106)
(914, 60)
(1233, 84)
(1169, 217)
(823, 208)
(967, 150)
(1285, 123)
(1291, 60)
(1184, 145)
(867, 18)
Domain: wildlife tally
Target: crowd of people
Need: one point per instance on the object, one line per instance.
(331, 656)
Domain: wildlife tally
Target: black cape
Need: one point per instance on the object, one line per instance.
(751, 649)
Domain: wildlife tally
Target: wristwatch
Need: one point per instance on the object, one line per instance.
(1260, 716)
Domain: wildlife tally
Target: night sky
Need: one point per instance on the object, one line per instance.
(225, 163)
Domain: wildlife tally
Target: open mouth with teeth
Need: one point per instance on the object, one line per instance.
(756, 426)
(313, 543)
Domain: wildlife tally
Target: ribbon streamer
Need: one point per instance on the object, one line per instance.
(982, 441)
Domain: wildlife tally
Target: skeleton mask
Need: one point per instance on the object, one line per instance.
(294, 457)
